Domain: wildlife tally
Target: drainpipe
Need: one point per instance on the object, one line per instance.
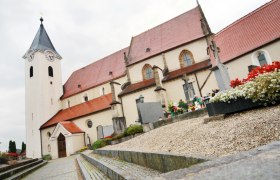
(41, 143)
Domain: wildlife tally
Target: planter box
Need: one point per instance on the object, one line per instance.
(234, 106)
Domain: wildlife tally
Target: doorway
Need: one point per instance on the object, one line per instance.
(61, 144)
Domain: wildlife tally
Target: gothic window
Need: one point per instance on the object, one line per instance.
(186, 58)
(103, 91)
(31, 71)
(147, 72)
(50, 70)
(86, 98)
(68, 103)
(262, 59)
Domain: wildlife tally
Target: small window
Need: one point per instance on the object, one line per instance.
(49, 148)
(31, 71)
(186, 58)
(49, 134)
(85, 98)
(103, 91)
(68, 103)
(147, 72)
(262, 59)
(50, 69)
(89, 123)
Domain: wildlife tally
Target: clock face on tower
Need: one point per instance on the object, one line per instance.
(30, 55)
(49, 55)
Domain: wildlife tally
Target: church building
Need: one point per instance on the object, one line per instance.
(175, 60)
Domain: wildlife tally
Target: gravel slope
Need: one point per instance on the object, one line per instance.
(237, 132)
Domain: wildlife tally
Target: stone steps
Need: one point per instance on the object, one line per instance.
(89, 171)
(117, 169)
(21, 171)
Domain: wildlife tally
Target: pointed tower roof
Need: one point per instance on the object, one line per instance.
(42, 41)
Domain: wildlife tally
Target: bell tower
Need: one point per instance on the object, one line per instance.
(43, 88)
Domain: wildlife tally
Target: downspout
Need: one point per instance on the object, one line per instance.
(41, 143)
(122, 106)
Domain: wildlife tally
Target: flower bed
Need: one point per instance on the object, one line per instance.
(261, 87)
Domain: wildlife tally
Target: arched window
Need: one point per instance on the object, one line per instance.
(31, 71)
(103, 91)
(186, 58)
(85, 98)
(261, 58)
(147, 72)
(50, 69)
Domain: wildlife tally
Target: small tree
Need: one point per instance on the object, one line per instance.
(23, 147)
(14, 147)
(10, 146)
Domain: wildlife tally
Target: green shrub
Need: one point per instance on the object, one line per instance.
(100, 143)
(3, 158)
(83, 149)
(119, 136)
(133, 129)
(47, 157)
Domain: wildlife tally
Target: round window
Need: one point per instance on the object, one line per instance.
(89, 123)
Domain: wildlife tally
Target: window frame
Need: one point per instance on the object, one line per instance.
(144, 72)
(182, 58)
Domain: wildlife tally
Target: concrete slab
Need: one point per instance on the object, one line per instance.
(260, 163)
(63, 168)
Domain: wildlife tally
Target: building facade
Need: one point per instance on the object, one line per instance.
(170, 62)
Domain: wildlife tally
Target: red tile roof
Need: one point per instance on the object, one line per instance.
(138, 86)
(96, 74)
(187, 70)
(86, 108)
(71, 127)
(250, 32)
(175, 32)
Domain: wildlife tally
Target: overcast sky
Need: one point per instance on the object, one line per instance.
(83, 31)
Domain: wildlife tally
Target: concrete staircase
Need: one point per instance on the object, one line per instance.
(20, 170)
(107, 164)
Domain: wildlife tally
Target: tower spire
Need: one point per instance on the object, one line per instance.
(41, 19)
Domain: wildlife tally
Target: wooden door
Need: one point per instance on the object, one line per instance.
(61, 146)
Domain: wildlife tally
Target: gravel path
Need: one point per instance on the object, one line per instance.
(236, 133)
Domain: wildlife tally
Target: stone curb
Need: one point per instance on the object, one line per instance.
(184, 173)
(6, 168)
(13, 171)
(27, 171)
(163, 162)
(83, 171)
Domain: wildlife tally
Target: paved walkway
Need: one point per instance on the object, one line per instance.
(59, 169)
(260, 163)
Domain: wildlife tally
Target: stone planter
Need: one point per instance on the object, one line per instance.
(234, 106)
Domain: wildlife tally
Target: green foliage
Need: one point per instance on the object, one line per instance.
(183, 105)
(12, 147)
(83, 149)
(3, 158)
(119, 136)
(47, 157)
(99, 144)
(23, 147)
(133, 129)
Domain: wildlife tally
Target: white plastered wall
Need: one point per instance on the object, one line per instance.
(129, 103)
(198, 49)
(91, 93)
(103, 118)
(42, 99)
(238, 68)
